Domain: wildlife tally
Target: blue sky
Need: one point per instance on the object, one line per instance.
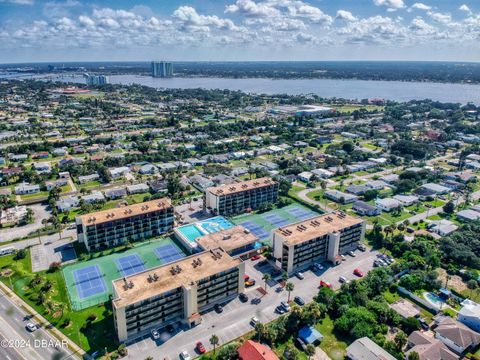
(74, 30)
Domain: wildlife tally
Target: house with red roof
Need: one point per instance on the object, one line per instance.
(251, 350)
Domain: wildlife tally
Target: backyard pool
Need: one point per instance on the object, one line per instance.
(435, 300)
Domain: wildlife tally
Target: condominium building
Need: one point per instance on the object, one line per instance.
(237, 198)
(96, 79)
(325, 237)
(179, 291)
(162, 69)
(109, 228)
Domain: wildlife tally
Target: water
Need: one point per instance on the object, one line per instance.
(348, 89)
(190, 232)
(215, 224)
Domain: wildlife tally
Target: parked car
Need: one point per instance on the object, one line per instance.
(246, 277)
(362, 247)
(170, 328)
(342, 279)
(300, 275)
(253, 321)
(299, 300)
(249, 283)
(358, 272)
(218, 308)
(200, 348)
(318, 266)
(243, 297)
(325, 284)
(351, 253)
(280, 310)
(184, 355)
(255, 257)
(31, 327)
(343, 257)
(285, 305)
(155, 334)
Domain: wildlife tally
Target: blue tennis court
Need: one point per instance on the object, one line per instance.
(168, 253)
(130, 264)
(276, 220)
(300, 213)
(258, 230)
(89, 281)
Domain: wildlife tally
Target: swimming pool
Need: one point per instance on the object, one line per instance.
(189, 233)
(435, 300)
(215, 224)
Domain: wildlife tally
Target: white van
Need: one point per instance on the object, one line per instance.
(7, 250)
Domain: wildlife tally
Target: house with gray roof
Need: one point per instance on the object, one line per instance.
(366, 349)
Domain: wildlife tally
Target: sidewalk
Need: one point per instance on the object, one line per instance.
(41, 320)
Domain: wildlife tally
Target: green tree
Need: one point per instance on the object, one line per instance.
(413, 356)
(289, 287)
(310, 350)
(400, 340)
(266, 278)
(214, 340)
(449, 207)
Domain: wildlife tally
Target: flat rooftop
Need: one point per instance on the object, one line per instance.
(318, 226)
(125, 212)
(193, 268)
(229, 239)
(241, 186)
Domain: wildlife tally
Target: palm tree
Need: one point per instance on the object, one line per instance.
(285, 278)
(310, 350)
(266, 277)
(314, 311)
(214, 341)
(289, 287)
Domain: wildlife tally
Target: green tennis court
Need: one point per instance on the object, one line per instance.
(262, 224)
(89, 283)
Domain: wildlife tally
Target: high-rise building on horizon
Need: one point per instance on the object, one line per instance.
(96, 79)
(162, 69)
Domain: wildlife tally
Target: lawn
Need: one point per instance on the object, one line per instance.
(38, 195)
(334, 347)
(93, 334)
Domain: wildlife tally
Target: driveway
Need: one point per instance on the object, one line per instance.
(40, 212)
(235, 319)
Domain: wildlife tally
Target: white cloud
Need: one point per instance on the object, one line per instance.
(442, 18)
(421, 6)
(251, 8)
(190, 18)
(18, 2)
(345, 15)
(86, 21)
(390, 4)
(465, 8)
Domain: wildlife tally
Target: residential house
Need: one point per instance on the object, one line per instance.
(252, 350)
(42, 167)
(118, 172)
(158, 185)
(387, 204)
(468, 215)
(322, 173)
(25, 188)
(67, 203)
(93, 197)
(116, 193)
(469, 314)
(340, 197)
(456, 335)
(442, 227)
(87, 178)
(376, 184)
(390, 179)
(138, 189)
(364, 209)
(366, 349)
(406, 200)
(57, 183)
(305, 176)
(428, 348)
(357, 189)
(148, 169)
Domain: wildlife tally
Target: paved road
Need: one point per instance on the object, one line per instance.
(21, 344)
(40, 213)
(235, 319)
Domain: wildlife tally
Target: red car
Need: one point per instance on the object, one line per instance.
(246, 277)
(255, 257)
(200, 348)
(358, 272)
(325, 284)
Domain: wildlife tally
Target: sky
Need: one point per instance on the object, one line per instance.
(238, 30)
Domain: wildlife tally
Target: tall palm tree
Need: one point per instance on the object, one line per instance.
(289, 287)
(214, 341)
(266, 277)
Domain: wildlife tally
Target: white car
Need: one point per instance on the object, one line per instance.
(352, 254)
(318, 266)
(155, 334)
(300, 275)
(253, 321)
(184, 355)
(285, 305)
(31, 327)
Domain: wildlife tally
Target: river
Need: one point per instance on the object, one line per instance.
(328, 88)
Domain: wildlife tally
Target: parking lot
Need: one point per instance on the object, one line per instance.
(234, 321)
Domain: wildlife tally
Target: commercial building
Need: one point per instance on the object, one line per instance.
(179, 291)
(162, 69)
(109, 228)
(237, 198)
(325, 237)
